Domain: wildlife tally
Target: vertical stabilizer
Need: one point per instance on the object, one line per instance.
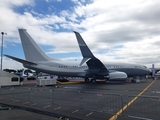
(31, 50)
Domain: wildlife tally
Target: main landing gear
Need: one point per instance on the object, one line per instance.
(92, 80)
(86, 79)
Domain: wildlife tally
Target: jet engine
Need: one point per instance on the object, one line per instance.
(117, 76)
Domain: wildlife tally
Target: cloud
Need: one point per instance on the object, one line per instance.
(11, 64)
(119, 30)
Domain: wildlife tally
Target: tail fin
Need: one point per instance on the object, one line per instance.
(86, 53)
(31, 50)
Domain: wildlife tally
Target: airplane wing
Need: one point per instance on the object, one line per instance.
(20, 60)
(91, 61)
(95, 63)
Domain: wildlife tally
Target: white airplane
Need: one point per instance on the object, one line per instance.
(91, 68)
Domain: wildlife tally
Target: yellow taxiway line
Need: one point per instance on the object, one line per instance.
(121, 110)
(64, 83)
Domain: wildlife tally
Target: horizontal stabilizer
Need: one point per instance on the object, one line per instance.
(21, 60)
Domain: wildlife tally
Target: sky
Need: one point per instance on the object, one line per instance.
(114, 30)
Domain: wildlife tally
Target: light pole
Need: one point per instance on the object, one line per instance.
(2, 49)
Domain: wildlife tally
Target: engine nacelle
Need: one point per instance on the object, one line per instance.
(117, 76)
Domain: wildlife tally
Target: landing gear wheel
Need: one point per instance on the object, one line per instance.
(86, 79)
(93, 81)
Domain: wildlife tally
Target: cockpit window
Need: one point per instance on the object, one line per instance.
(140, 66)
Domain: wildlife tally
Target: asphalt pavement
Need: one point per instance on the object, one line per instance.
(84, 101)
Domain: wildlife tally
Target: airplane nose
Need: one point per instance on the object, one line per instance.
(149, 71)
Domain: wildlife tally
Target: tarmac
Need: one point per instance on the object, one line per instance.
(83, 101)
(17, 114)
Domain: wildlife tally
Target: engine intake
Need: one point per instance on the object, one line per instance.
(117, 76)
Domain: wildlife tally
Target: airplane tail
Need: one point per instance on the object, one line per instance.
(31, 50)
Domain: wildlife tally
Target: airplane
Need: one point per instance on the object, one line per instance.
(90, 68)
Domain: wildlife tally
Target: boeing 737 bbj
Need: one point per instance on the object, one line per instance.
(91, 68)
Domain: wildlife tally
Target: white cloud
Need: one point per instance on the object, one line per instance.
(11, 64)
(104, 24)
(10, 3)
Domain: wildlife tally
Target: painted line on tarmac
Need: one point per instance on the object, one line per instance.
(129, 103)
(89, 114)
(65, 83)
(57, 108)
(140, 118)
(72, 87)
(47, 106)
(75, 111)
(33, 104)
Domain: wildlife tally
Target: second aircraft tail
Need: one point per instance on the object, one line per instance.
(31, 50)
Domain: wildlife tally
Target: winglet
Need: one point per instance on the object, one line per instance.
(88, 57)
(86, 53)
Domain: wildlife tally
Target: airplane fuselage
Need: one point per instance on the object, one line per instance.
(74, 70)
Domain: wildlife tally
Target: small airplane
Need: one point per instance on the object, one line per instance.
(90, 68)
